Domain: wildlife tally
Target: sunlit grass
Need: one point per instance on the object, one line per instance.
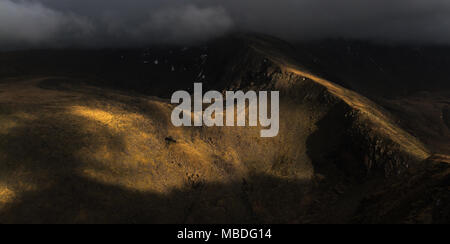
(371, 114)
(6, 195)
(136, 155)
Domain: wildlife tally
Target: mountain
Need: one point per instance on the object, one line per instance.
(86, 137)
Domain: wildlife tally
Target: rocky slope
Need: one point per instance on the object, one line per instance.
(82, 152)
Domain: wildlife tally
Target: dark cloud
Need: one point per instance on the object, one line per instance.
(28, 23)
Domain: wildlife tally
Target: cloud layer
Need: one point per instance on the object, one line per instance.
(35, 23)
(29, 24)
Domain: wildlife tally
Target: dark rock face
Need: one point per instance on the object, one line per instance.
(424, 197)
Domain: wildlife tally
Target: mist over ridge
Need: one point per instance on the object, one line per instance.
(100, 23)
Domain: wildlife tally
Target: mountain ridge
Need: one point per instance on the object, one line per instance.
(76, 151)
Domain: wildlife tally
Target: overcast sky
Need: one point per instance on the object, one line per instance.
(34, 23)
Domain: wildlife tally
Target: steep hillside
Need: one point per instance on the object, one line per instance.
(424, 115)
(71, 152)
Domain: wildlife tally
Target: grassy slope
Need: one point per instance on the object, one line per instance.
(56, 144)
